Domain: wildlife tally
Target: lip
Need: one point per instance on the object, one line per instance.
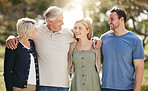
(111, 25)
(77, 33)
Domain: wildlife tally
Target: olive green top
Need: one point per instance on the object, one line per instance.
(86, 77)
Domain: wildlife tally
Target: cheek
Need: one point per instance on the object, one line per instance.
(117, 23)
(74, 30)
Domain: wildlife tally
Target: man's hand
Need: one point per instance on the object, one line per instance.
(97, 43)
(11, 42)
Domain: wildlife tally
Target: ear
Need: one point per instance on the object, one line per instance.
(122, 19)
(88, 30)
(49, 21)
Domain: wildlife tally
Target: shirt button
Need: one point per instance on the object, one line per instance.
(83, 75)
(82, 57)
(83, 51)
(83, 83)
(83, 66)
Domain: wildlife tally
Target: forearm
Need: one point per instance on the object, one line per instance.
(138, 77)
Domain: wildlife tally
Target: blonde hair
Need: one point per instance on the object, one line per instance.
(52, 12)
(88, 25)
(25, 27)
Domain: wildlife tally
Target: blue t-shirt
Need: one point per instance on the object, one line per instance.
(118, 55)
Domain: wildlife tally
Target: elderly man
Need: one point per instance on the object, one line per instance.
(52, 45)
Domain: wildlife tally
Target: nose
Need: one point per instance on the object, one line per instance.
(77, 30)
(109, 21)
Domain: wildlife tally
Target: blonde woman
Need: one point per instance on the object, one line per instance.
(84, 60)
(21, 64)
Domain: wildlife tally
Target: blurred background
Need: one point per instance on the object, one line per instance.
(97, 11)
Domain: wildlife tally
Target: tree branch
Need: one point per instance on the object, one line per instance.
(136, 30)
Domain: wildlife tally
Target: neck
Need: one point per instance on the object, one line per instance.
(84, 44)
(83, 41)
(120, 31)
(50, 28)
(24, 41)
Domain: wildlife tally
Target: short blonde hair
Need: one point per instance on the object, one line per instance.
(88, 25)
(52, 12)
(25, 27)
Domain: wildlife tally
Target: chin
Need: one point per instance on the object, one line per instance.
(60, 28)
(111, 28)
(77, 37)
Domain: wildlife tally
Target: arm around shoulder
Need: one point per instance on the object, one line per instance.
(70, 63)
(11, 42)
(98, 59)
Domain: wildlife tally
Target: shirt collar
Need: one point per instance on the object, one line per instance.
(48, 30)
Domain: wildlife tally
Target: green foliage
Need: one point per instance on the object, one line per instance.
(144, 88)
(2, 85)
(133, 9)
(100, 28)
(16, 2)
(3, 36)
(12, 10)
(38, 7)
(2, 48)
(2, 5)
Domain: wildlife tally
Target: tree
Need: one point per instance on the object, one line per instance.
(12, 10)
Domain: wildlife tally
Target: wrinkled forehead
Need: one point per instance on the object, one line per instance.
(60, 17)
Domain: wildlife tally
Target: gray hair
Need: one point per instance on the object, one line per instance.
(25, 27)
(52, 12)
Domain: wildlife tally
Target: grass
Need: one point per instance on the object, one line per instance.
(145, 78)
(2, 50)
(2, 86)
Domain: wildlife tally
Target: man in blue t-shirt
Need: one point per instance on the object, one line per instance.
(123, 56)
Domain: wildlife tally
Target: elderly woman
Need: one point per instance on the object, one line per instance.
(84, 60)
(21, 64)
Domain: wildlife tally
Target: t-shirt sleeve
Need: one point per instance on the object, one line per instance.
(138, 51)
